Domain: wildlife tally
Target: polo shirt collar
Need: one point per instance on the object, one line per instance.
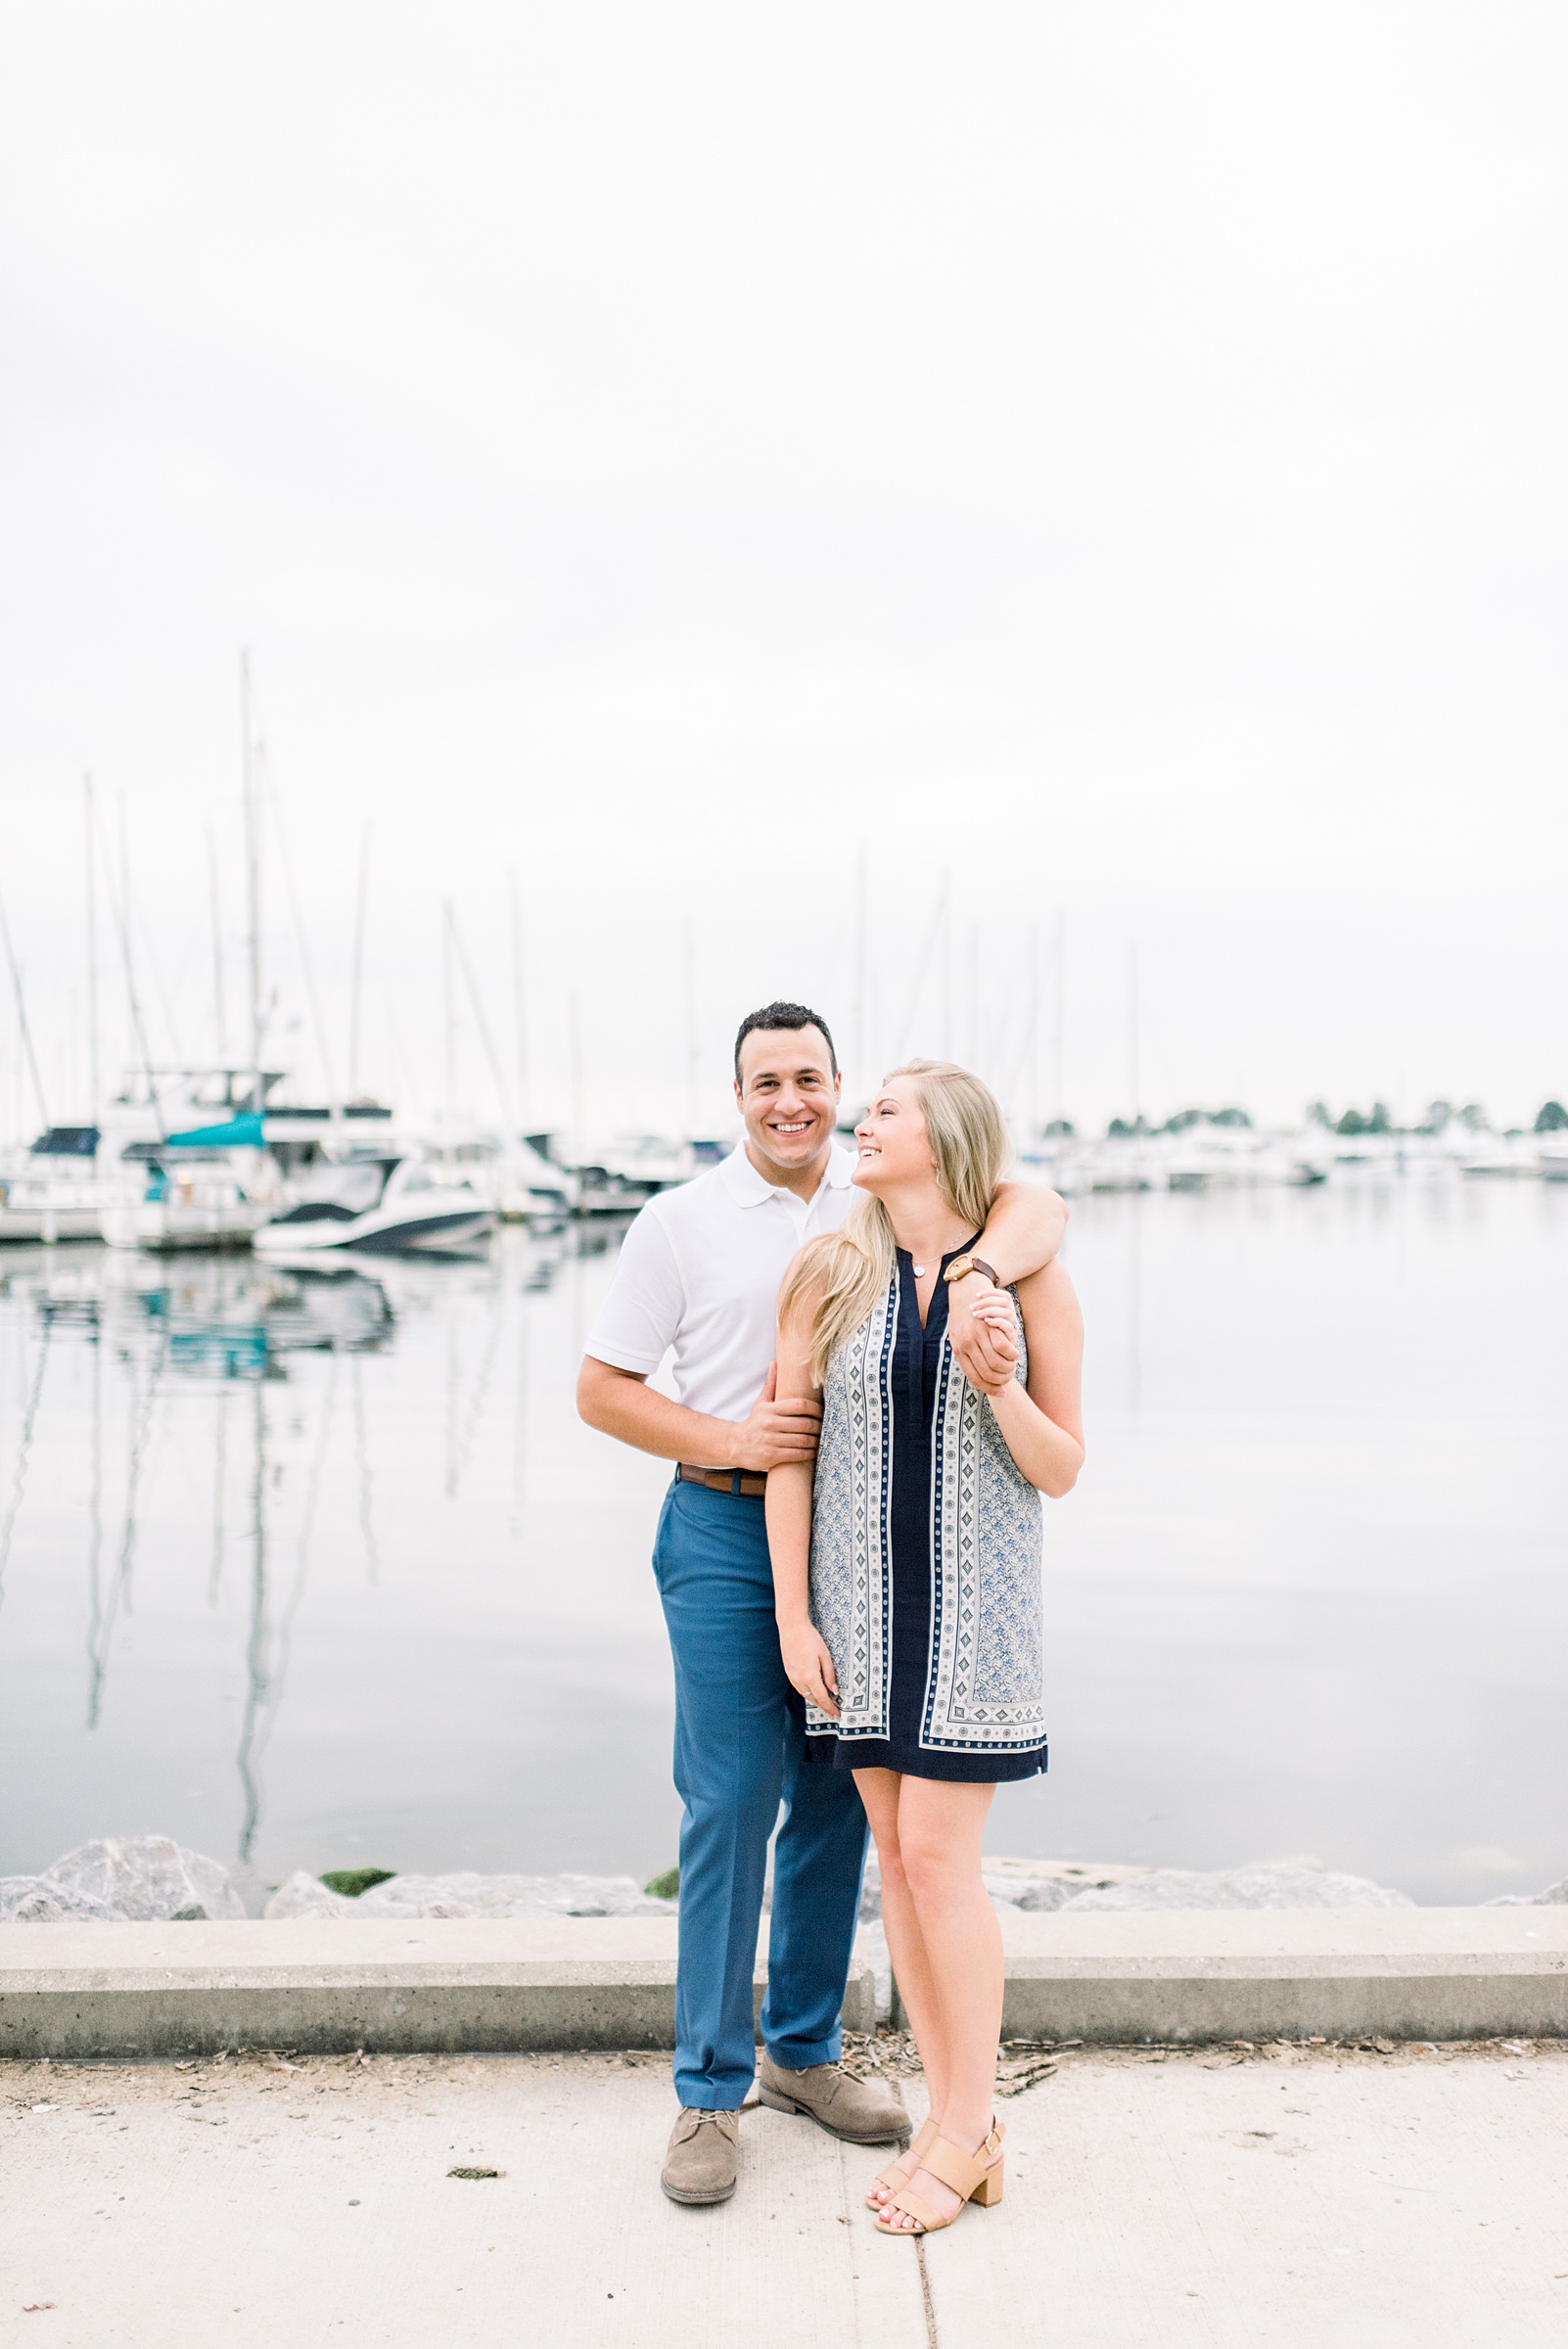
(748, 1188)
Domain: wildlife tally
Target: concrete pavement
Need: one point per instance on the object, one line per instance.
(1219, 2197)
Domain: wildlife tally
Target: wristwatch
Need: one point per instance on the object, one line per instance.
(962, 1266)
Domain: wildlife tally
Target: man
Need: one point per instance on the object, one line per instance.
(700, 1270)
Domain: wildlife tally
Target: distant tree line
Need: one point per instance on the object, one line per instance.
(1128, 1128)
(1552, 1118)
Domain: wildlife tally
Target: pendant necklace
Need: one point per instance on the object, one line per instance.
(919, 1270)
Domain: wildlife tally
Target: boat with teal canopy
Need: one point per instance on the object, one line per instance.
(243, 1133)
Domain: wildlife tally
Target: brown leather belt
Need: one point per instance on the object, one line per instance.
(751, 1483)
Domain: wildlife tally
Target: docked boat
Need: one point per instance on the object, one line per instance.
(646, 1163)
(1211, 1155)
(382, 1205)
(530, 1189)
(1503, 1154)
(195, 1208)
(1552, 1155)
(512, 1177)
(1121, 1163)
(206, 1187)
(53, 1192)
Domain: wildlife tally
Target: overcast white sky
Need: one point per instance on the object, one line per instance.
(1115, 453)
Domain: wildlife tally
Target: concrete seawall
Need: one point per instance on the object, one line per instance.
(455, 1985)
(394, 1985)
(1188, 1975)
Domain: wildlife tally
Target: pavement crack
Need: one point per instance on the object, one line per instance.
(926, 2300)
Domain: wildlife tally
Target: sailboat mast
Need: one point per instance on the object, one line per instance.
(1133, 1036)
(94, 1096)
(574, 1046)
(252, 876)
(1037, 1029)
(491, 1055)
(519, 1006)
(356, 997)
(22, 1018)
(220, 1022)
(689, 955)
(449, 1001)
(976, 1051)
(266, 791)
(119, 912)
(1058, 1025)
(863, 1040)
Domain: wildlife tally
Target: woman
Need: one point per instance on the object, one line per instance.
(907, 1571)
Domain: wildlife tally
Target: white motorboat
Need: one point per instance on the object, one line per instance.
(1121, 1163)
(647, 1163)
(512, 1177)
(1213, 1156)
(1503, 1154)
(387, 1205)
(532, 1189)
(1552, 1155)
(53, 1192)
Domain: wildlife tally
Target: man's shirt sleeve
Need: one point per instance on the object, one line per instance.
(640, 1317)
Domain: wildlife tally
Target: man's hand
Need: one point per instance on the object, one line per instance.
(773, 1434)
(808, 1666)
(984, 1349)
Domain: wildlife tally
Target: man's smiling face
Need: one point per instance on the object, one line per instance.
(788, 1095)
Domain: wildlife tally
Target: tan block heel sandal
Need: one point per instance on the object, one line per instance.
(974, 2178)
(892, 2176)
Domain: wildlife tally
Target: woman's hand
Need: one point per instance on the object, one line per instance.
(972, 1337)
(808, 1666)
(995, 1314)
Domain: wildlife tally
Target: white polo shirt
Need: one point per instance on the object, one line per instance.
(700, 1270)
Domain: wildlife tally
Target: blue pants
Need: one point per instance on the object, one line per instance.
(740, 1747)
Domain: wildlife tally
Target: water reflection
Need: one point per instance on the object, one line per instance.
(317, 1566)
(247, 1381)
(202, 1319)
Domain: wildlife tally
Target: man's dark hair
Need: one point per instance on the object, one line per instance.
(777, 1016)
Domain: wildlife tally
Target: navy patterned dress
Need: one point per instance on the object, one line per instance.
(924, 1558)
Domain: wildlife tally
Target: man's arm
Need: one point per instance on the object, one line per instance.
(622, 1405)
(1023, 1232)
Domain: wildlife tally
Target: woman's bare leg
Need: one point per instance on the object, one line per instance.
(912, 1966)
(939, 1830)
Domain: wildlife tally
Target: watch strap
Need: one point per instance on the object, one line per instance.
(962, 1266)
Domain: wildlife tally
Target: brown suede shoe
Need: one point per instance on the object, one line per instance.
(700, 2165)
(863, 2112)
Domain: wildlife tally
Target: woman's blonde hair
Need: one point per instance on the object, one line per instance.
(845, 1271)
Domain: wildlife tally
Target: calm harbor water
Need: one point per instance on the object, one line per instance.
(314, 1571)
